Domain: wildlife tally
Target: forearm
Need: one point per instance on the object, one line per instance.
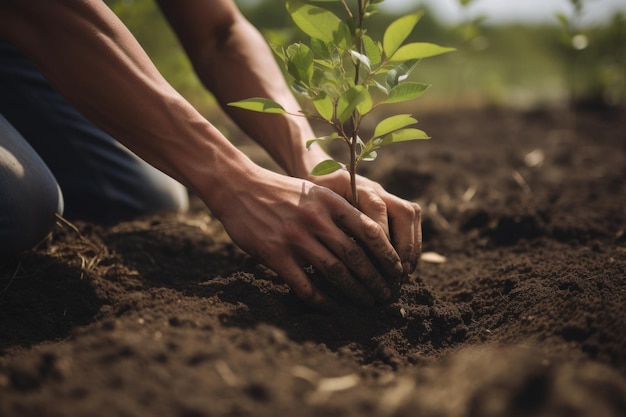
(92, 59)
(235, 62)
(250, 70)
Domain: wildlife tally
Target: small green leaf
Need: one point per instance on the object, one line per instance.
(362, 59)
(328, 138)
(324, 106)
(321, 49)
(300, 62)
(279, 51)
(325, 63)
(370, 156)
(326, 167)
(301, 89)
(406, 91)
(398, 31)
(393, 123)
(349, 100)
(318, 22)
(419, 50)
(366, 104)
(371, 50)
(404, 135)
(259, 104)
(400, 73)
(382, 88)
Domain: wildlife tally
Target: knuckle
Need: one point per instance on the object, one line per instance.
(417, 209)
(323, 194)
(292, 233)
(373, 230)
(411, 209)
(336, 272)
(408, 251)
(311, 215)
(375, 202)
(353, 251)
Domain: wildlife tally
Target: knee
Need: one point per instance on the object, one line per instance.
(30, 197)
(170, 195)
(28, 211)
(151, 191)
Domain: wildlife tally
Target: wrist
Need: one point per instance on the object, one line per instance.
(221, 182)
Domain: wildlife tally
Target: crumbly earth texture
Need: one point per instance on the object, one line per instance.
(521, 314)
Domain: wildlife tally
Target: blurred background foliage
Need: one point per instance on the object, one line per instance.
(560, 64)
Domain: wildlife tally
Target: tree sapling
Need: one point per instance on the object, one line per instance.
(346, 75)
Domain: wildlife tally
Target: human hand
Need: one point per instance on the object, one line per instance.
(288, 223)
(400, 219)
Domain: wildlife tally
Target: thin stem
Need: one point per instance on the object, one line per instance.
(354, 120)
(353, 190)
(345, 5)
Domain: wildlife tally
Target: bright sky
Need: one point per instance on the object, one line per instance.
(512, 10)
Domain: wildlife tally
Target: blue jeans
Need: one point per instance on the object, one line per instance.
(47, 145)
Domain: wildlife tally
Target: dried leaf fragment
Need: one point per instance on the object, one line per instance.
(432, 258)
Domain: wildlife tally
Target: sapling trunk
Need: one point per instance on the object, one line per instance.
(352, 170)
(355, 115)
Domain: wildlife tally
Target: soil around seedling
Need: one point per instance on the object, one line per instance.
(521, 314)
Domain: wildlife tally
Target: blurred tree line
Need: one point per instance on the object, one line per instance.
(501, 65)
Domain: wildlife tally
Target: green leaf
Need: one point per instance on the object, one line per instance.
(393, 123)
(326, 167)
(259, 104)
(371, 50)
(404, 135)
(300, 62)
(370, 156)
(366, 104)
(301, 89)
(398, 31)
(328, 138)
(419, 50)
(318, 22)
(349, 100)
(406, 91)
(324, 106)
(279, 51)
(363, 59)
(400, 73)
(322, 50)
(382, 88)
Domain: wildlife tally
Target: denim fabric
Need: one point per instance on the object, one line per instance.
(101, 180)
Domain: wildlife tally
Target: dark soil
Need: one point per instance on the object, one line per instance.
(164, 316)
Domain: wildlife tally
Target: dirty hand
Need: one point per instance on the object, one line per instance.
(400, 219)
(288, 223)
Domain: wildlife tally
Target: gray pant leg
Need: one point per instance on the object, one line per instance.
(29, 194)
